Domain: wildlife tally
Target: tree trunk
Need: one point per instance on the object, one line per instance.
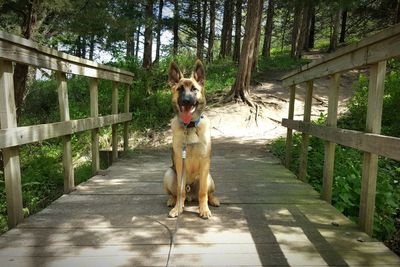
(199, 31)
(83, 47)
(226, 33)
(311, 36)
(299, 28)
(343, 27)
(148, 34)
(238, 30)
(212, 32)
(284, 24)
(159, 26)
(258, 37)
(21, 71)
(296, 33)
(269, 24)
(307, 31)
(78, 46)
(335, 31)
(229, 30)
(92, 43)
(176, 28)
(241, 87)
(203, 27)
(137, 41)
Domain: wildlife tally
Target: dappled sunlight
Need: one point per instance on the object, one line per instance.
(266, 218)
(295, 246)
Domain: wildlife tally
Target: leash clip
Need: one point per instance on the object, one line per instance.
(184, 152)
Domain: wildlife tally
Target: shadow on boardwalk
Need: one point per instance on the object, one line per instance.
(119, 218)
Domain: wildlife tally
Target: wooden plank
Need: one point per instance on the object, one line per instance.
(94, 113)
(383, 46)
(126, 124)
(289, 134)
(12, 171)
(305, 137)
(114, 126)
(69, 183)
(386, 146)
(30, 134)
(24, 51)
(329, 155)
(370, 161)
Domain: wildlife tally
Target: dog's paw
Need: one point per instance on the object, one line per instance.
(213, 201)
(175, 212)
(171, 201)
(205, 212)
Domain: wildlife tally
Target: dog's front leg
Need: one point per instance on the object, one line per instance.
(179, 204)
(204, 211)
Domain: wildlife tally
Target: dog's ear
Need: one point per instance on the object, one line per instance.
(174, 74)
(198, 72)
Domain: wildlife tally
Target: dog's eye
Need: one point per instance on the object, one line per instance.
(194, 89)
(180, 89)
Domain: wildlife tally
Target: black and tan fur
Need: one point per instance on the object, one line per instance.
(197, 176)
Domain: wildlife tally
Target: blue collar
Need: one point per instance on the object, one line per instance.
(192, 124)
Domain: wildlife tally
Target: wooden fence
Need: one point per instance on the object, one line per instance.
(14, 49)
(372, 52)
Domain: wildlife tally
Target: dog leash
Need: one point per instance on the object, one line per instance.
(173, 236)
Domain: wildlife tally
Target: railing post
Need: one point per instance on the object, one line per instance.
(289, 135)
(114, 126)
(304, 136)
(329, 156)
(370, 161)
(126, 124)
(94, 112)
(12, 170)
(67, 146)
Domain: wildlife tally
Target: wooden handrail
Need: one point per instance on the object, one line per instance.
(379, 47)
(371, 52)
(14, 49)
(17, 49)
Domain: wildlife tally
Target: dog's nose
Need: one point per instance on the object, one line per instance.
(186, 99)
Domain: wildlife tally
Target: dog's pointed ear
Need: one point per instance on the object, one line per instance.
(174, 74)
(198, 72)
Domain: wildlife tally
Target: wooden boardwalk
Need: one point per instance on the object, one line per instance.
(119, 218)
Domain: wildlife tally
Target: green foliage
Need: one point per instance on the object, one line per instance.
(279, 61)
(348, 161)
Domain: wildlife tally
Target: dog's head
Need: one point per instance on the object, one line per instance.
(188, 94)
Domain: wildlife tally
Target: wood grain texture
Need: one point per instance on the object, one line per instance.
(94, 113)
(126, 124)
(305, 137)
(63, 102)
(120, 218)
(382, 145)
(374, 49)
(289, 134)
(370, 160)
(12, 170)
(329, 151)
(114, 127)
(30, 134)
(17, 49)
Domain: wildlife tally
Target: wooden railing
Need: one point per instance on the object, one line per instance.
(372, 52)
(14, 49)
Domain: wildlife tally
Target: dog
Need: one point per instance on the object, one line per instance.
(190, 129)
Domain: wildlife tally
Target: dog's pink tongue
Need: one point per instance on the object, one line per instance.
(186, 114)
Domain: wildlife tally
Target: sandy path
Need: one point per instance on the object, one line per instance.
(237, 120)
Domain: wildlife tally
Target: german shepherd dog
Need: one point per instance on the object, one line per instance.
(190, 129)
